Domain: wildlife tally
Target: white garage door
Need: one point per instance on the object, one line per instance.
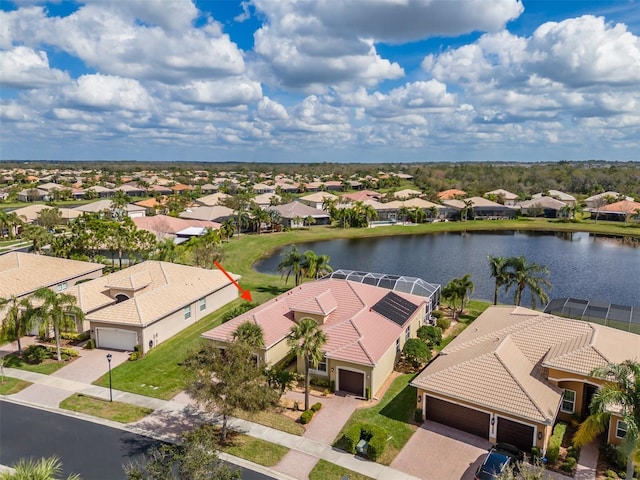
(117, 339)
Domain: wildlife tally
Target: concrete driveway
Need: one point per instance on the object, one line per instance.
(436, 452)
(91, 365)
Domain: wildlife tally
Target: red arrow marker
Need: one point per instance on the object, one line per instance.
(246, 294)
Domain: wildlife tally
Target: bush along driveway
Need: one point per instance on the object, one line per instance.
(391, 417)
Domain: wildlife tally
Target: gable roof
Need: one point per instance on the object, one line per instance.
(624, 206)
(318, 197)
(165, 224)
(296, 209)
(24, 273)
(161, 288)
(501, 360)
(505, 193)
(355, 333)
(207, 213)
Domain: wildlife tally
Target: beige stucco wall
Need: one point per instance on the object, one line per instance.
(611, 432)
(276, 352)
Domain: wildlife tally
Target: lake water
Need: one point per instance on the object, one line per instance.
(581, 265)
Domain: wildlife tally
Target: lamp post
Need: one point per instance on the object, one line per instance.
(110, 391)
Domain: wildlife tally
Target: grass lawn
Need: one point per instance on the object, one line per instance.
(159, 374)
(272, 419)
(9, 386)
(330, 471)
(393, 413)
(254, 449)
(472, 311)
(47, 367)
(116, 411)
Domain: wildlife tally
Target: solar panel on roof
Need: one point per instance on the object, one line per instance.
(395, 308)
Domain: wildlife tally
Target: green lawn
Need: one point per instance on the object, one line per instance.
(159, 374)
(472, 311)
(330, 471)
(254, 449)
(9, 385)
(97, 407)
(47, 367)
(393, 413)
(272, 419)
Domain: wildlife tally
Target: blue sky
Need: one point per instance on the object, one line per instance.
(320, 80)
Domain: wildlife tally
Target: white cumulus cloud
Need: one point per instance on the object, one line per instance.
(23, 68)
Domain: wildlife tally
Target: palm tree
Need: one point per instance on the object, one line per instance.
(306, 340)
(527, 275)
(18, 318)
(38, 236)
(58, 311)
(468, 207)
(498, 267)
(403, 213)
(227, 228)
(249, 333)
(465, 287)
(119, 201)
(292, 263)
(41, 469)
(621, 394)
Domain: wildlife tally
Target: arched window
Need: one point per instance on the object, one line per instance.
(121, 297)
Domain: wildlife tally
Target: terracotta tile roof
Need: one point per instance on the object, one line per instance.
(452, 192)
(501, 361)
(355, 332)
(165, 224)
(623, 206)
(24, 273)
(161, 289)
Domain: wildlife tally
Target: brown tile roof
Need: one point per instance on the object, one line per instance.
(24, 273)
(355, 333)
(451, 193)
(165, 224)
(624, 206)
(162, 288)
(501, 361)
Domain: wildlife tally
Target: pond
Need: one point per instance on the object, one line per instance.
(581, 265)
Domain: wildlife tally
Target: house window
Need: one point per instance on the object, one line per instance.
(568, 401)
(203, 304)
(62, 286)
(407, 334)
(187, 312)
(621, 429)
(321, 369)
(397, 344)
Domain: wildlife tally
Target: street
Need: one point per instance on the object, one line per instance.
(94, 451)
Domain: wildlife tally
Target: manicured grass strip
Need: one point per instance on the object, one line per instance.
(254, 449)
(393, 413)
(272, 419)
(9, 385)
(47, 368)
(160, 374)
(472, 311)
(330, 471)
(97, 407)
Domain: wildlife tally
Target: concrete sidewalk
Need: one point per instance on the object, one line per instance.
(172, 414)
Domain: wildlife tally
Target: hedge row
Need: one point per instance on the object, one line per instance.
(375, 435)
(307, 415)
(553, 450)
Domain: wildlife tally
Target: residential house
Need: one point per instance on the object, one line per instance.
(361, 196)
(514, 372)
(504, 196)
(30, 213)
(106, 206)
(152, 206)
(102, 192)
(451, 194)
(406, 193)
(216, 213)
(208, 188)
(618, 212)
(213, 199)
(295, 213)
(132, 190)
(366, 327)
(159, 189)
(548, 207)
(148, 303)
(180, 188)
(482, 209)
(558, 195)
(265, 200)
(164, 226)
(316, 199)
(411, 203)
(32, 195)
(263, 188)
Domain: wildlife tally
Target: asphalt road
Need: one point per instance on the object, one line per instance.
(94, 451)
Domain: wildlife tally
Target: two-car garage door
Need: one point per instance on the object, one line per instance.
(457, 416)
(116, 338)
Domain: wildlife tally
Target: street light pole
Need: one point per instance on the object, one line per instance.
(110, 390)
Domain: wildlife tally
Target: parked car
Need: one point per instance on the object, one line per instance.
(500, 456)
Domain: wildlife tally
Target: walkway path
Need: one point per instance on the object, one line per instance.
(172, 416)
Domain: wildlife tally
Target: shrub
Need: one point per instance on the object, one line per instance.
(36, 353)
(90, 345)
(306, 416)
(416, 352)
(535, 453)
(137, 348)
(367, 393)
(316, 406)
(417, 415)
(443, 323)
(569, 464)
(351, 437)
(133, 356)
(615, 457)
(377, 438)
(66, 352)
(319, 382)
(237, 311)
(332, 386)
(437, 314)
(553, 450)
(573, 452)
(611, 474)
(430, 335)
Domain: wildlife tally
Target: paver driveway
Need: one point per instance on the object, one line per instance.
(438, 452)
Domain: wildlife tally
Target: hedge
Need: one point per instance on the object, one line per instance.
(553, 450)
(316, 406)
(306, 416)
(377, 438)
(351, 437)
